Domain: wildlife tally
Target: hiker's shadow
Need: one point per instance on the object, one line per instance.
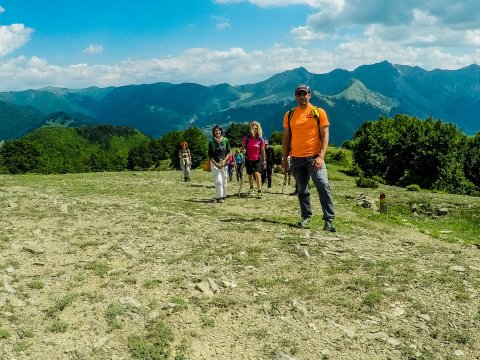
(243, 219)
(211, 200)
(205, 201)
(197, 185)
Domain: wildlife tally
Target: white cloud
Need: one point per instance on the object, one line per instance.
(356, 53)
(234, 66)
(221, 23)
(473, 37)
(270, 3)
(338, 34)
(93, 49)
(12, 37)
(1, 9)
(305, 34)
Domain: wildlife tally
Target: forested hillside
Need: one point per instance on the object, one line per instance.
(349, 97)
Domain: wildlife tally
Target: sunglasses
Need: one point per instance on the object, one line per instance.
(301, 93)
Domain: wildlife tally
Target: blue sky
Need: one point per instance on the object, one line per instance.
(76, 44)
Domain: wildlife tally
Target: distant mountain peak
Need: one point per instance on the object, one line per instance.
(350, 96)
(358, 92)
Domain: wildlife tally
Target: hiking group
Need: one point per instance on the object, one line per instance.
(304, 145)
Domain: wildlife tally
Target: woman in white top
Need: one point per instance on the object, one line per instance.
(185, 160)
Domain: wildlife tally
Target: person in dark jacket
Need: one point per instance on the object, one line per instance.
(270, 163)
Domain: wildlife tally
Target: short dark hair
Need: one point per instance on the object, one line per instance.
(215, 128)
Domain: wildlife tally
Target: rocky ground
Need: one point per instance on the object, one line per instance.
(141, 265)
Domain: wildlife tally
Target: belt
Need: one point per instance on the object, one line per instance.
(314, 156)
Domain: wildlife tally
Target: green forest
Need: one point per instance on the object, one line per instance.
(401, 151)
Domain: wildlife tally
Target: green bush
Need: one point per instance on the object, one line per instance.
(412, 187)
(338, 157)
(364, 182)
(406, 150)
(20, 156)
(236, 132)
(347, 144)
(378, 179)
(164, 165)
(276, 138)
(355, 171)
(472, 160)
(277, 150)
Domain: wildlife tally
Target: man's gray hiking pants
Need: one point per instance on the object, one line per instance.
(303, 170)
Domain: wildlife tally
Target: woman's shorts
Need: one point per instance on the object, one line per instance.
(253, 166)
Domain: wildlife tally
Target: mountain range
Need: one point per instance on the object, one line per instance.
(349, 98)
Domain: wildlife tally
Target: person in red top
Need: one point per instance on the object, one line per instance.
(305, 137)
(253, 146)
(231, 166)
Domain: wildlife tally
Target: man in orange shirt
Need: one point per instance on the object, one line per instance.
(305, 137)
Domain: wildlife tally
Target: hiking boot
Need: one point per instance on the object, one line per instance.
(259, 194)
(305, 222)
(251, 190)
(329, 226)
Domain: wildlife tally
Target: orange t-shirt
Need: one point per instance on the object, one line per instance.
(305, 139)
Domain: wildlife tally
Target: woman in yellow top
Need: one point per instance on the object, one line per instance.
(305, 138)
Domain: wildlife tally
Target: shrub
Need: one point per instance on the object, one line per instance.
(20, 156)
(412, 187)
(347, 144)
(406, 150)
(472, 160)
(364, 182)
(164, 165)
(354, 171)
(276, 138)
(339, 157)
(378, 179)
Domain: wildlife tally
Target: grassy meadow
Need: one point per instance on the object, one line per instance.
(140, 265)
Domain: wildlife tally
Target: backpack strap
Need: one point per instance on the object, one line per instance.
(315, 114)
(290, 114)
